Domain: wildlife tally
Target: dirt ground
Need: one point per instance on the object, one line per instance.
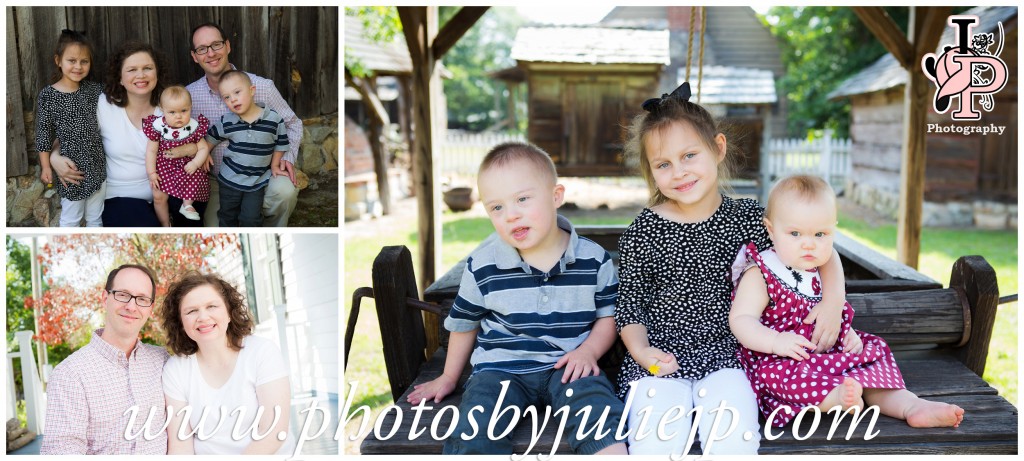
(318, 203)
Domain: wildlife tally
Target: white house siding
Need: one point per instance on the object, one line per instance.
(309, 267)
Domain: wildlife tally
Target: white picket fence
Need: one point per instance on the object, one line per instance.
(461, 152)
(826, 157)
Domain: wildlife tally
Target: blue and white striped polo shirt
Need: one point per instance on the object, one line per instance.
(529, 319)
(251, 146)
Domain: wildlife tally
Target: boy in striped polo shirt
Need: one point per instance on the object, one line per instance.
(534, 311)
(257, 139)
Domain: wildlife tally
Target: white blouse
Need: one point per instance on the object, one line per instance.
(125, 147)
(232, 404)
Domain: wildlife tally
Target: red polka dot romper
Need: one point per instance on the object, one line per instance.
(174, 180)
(779, 381)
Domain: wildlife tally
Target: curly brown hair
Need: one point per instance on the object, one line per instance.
(241, 324)
(116, 94)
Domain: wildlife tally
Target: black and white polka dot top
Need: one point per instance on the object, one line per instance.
(71, 118)
(674, 279)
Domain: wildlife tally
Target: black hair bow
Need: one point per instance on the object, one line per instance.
(682, 93)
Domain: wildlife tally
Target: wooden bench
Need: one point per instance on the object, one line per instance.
(940, 338)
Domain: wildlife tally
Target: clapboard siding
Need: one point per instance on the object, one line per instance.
(309, 267)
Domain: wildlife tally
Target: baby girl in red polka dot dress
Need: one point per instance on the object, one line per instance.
(767, 318)
(179, 177)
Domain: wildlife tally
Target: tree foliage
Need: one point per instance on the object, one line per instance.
(75, 266)
(475, 99)
(380, 25)
(19, 287)
(821, 47)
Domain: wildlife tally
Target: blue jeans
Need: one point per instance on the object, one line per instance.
(540, 388)
(239, 208)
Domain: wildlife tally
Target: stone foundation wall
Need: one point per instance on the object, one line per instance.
(31, 203)
(983, 214)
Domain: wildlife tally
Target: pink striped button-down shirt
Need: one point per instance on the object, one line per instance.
(208, 102)
(90, 393)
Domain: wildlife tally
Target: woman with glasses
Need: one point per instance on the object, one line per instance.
(233, 386)
(135, 77)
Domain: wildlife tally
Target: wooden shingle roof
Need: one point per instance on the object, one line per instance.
(886, 73)
(732, 85)
(591, 45)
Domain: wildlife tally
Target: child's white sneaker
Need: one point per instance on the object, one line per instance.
(189, 212)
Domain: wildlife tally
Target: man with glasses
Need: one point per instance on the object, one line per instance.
(210, 49)
(90, 393)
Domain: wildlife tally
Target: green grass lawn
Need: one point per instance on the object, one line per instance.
(462, 233)
(940, 248)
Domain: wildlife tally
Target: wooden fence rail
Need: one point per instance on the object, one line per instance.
(462, 152)
(826, 157)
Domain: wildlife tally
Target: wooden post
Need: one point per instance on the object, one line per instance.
(915, 110)
(426, 46)
(377, 135)
(420, 27)
(924, 29)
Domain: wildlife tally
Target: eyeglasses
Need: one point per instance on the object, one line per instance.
(125, 297)
(215, 46)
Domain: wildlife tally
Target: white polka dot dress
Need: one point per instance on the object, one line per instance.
(71, 118)
(174, 180)
(675, 280)
(779, 381)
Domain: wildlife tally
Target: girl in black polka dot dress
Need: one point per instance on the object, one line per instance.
(771, 301)
(675, 288)
(66, 111)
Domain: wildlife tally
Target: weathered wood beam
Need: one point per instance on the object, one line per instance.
(916, 105)
(379, 121)
(885, 29)
(370, 99)
(455, 28)
(419, 24)
(932, 24)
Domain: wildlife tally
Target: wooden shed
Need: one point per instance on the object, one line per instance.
(584, 86)
(970, 179)
(742, 65)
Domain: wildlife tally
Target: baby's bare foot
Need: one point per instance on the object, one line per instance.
(847, 394)
(851, 394)
(926, 413)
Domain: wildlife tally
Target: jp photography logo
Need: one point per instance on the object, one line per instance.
(966, 75)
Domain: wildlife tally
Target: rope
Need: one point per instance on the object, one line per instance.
(689, 44)
(700, 56)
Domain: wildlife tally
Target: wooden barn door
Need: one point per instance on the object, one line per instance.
(592, 128)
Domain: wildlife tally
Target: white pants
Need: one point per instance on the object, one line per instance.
(674, 399)
(71, 212)
(278, 202)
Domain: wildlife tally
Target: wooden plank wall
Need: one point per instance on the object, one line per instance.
(296, 47)
(958, 168)
(581, 118)
(17, 164)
